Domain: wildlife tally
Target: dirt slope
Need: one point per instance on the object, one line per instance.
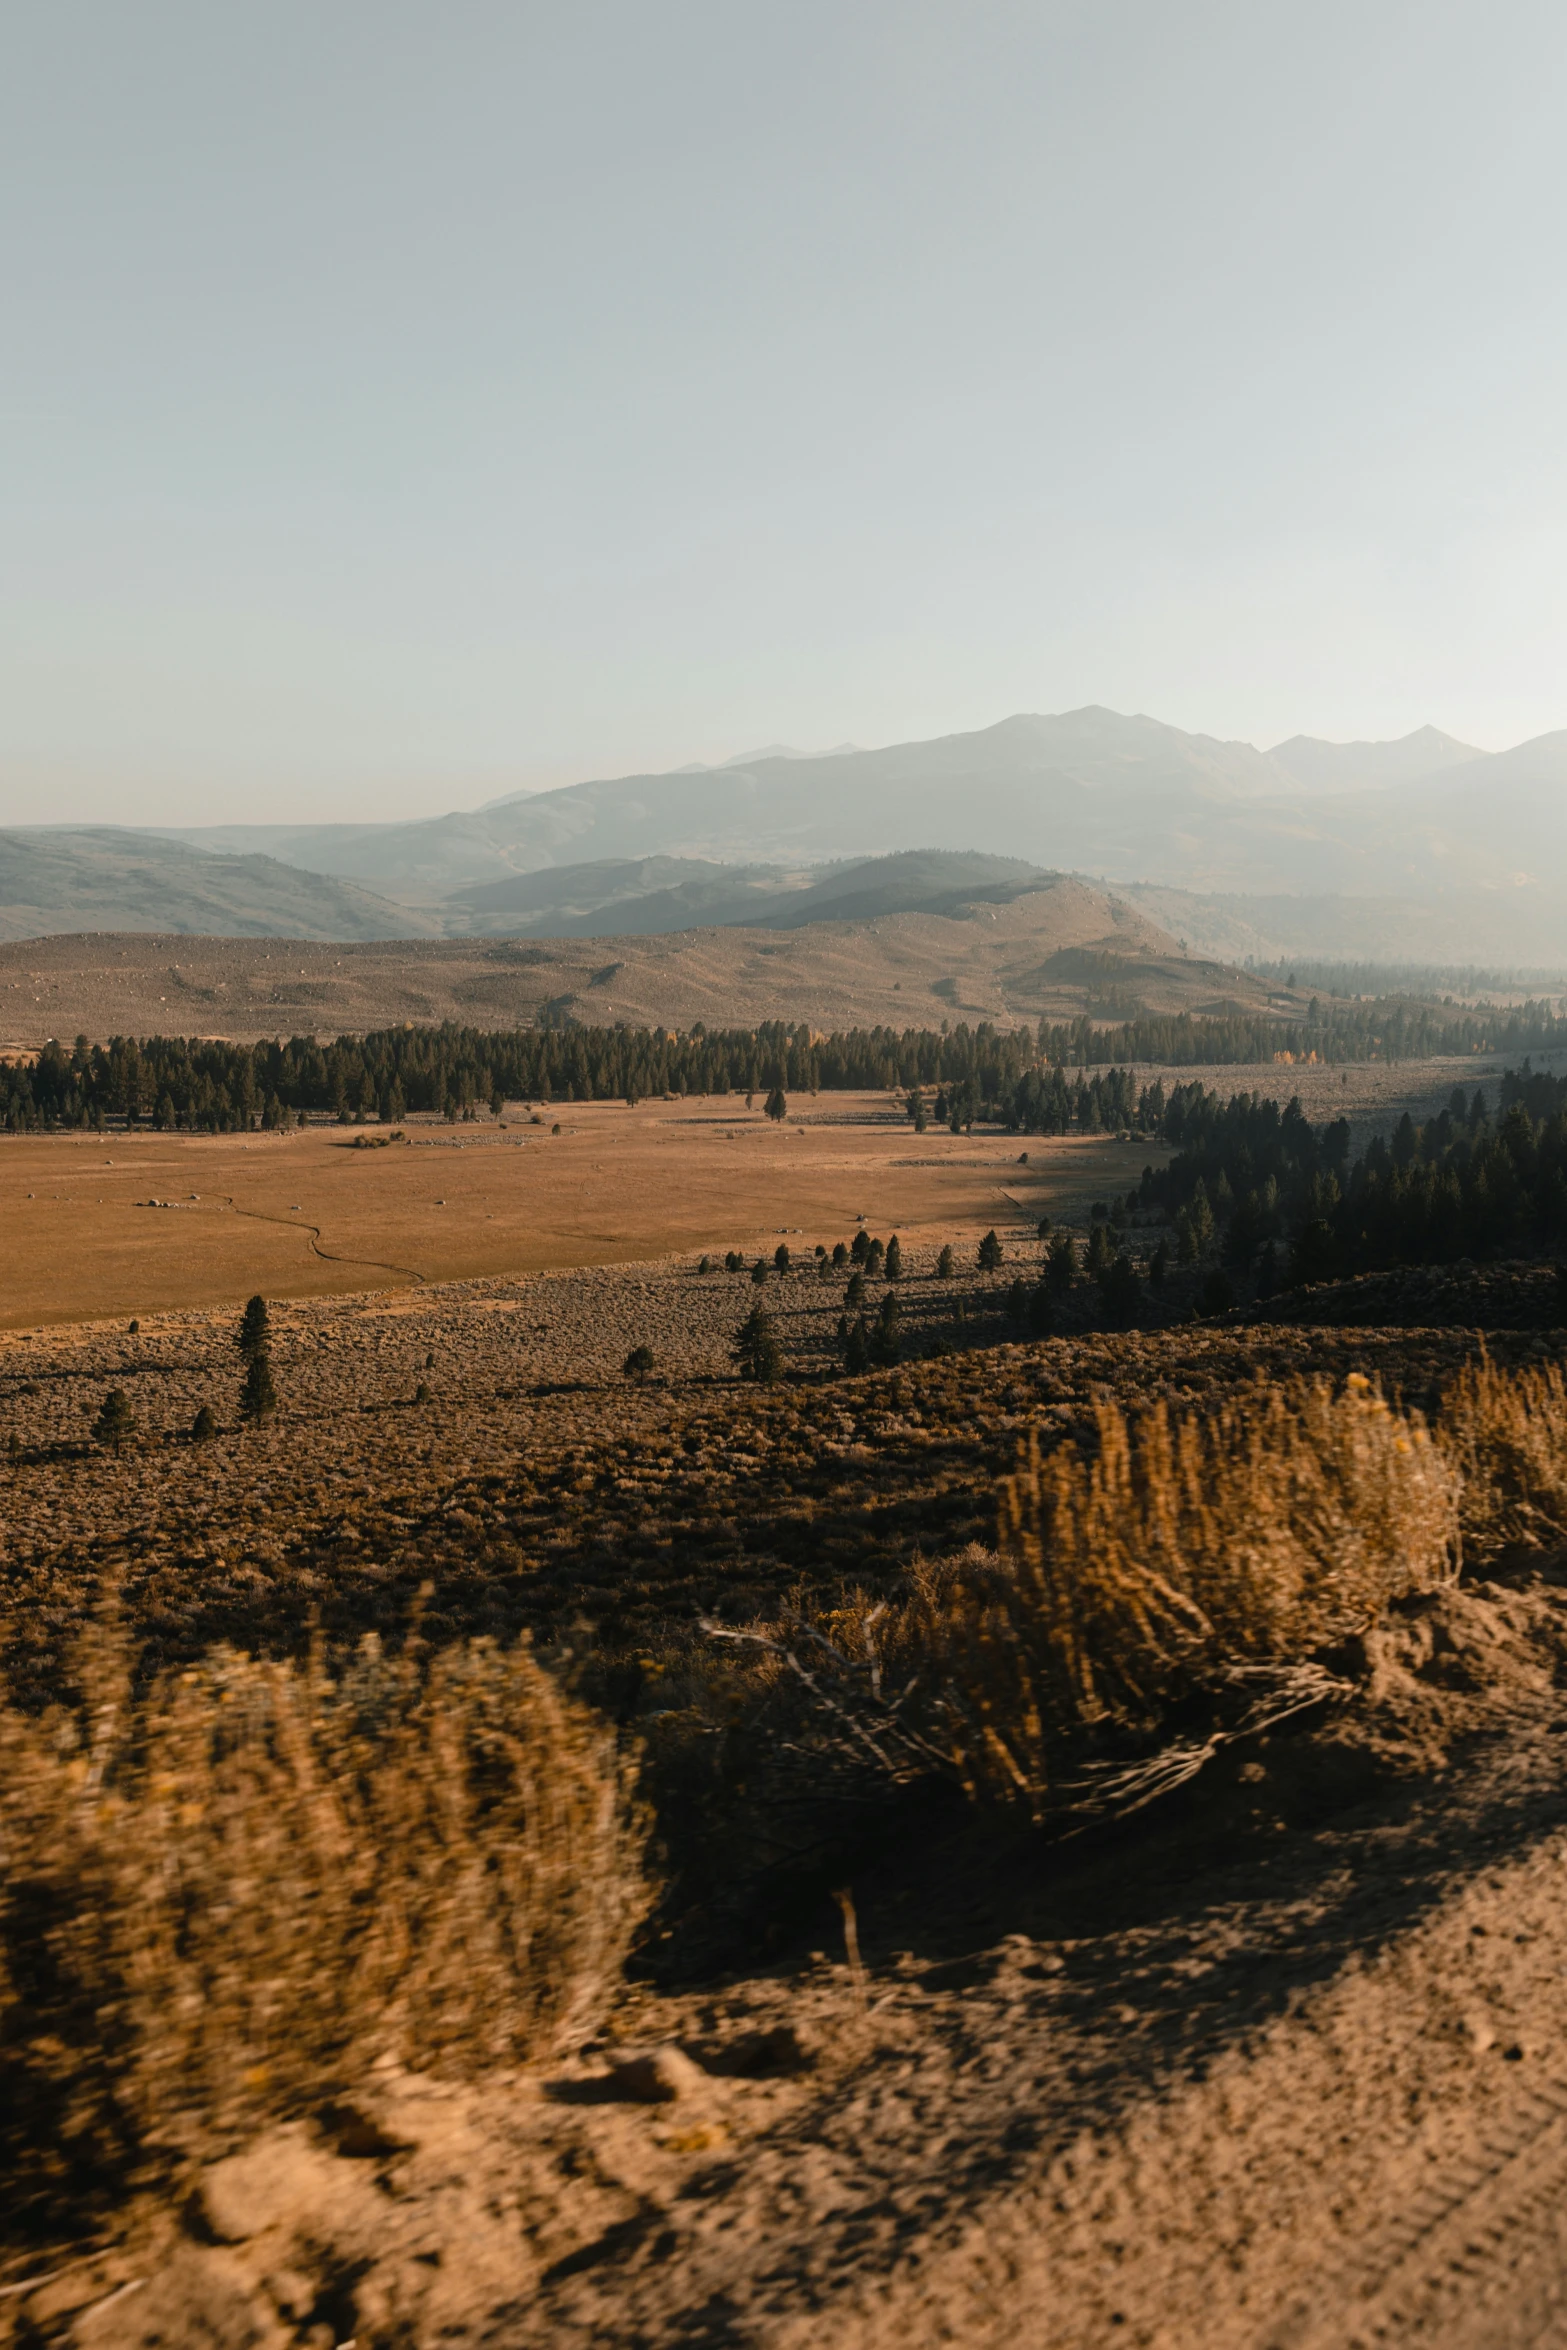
(1059, 950)
(1279, 2071)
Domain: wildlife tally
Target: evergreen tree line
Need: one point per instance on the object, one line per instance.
(220, 1087)
(1383, 1028)
(1010, 1077)
(1474, 1181)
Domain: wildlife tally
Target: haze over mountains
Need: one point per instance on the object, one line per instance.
(1360, 848)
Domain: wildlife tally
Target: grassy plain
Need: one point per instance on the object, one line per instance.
(308, 1214)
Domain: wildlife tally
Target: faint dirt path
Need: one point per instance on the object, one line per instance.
(292, 1224)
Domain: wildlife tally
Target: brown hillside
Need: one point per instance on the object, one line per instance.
(1060, 950)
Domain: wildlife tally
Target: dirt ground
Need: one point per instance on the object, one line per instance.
(1276, 2067)
(100, 1225)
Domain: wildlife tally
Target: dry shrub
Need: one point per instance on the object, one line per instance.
(1180, 1554)
(1506, 1434)
(226, 1895)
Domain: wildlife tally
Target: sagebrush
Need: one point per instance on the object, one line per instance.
(226, 1893)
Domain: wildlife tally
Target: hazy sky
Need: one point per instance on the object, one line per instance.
(401, 403)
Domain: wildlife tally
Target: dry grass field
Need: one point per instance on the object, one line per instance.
(100, 1225)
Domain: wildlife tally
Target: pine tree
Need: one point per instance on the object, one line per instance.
(254, 1328)
(759, 1273)
(258, 1396)
(894, 1264)
(885, 1339)
(639, 1364)
(1101, 1252)
(1202, 1217)
(855, 1292)
(115, 1419)
(990, 1252)
(1061, 1263)
(781, 1257)
(756, 1351)
(776, 1106)
(205, 1424)
(1120, 1289)
(946, 1264)
(856, 1348)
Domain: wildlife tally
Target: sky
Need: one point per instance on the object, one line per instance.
(403, 404)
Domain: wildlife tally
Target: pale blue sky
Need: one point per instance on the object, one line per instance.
(402, 403)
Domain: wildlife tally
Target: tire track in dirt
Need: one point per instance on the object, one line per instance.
(1482, 2231)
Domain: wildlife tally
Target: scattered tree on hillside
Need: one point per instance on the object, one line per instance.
(258, 1396)
(886, 1337)
(776, 1106)
(894, 1265)
(946, 1263)
(781, 1256)
(1061, 1262)
(1101, 1252)
(990, 1252)
(639, 1364)
(205, 1424)
(115, 1419)
(1120, 1290)
(756, 1350)
(254, 1328)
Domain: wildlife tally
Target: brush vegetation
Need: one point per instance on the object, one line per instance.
(229, 1891)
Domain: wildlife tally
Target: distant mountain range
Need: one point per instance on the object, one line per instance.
(1470, 843)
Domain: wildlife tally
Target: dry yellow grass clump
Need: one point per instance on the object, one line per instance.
(1178, 1552)
(229, 1893)
(1506, 1432)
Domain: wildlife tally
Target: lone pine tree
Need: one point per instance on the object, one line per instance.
(258, 1396)
(115, 1419)
(989, 1252)
(254, 1328)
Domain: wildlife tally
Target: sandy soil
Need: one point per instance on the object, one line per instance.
(105, 1225)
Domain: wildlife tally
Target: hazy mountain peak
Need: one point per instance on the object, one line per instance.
(1309, 762)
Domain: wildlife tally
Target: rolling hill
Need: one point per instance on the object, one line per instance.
(1057, 949)
(100, 878)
